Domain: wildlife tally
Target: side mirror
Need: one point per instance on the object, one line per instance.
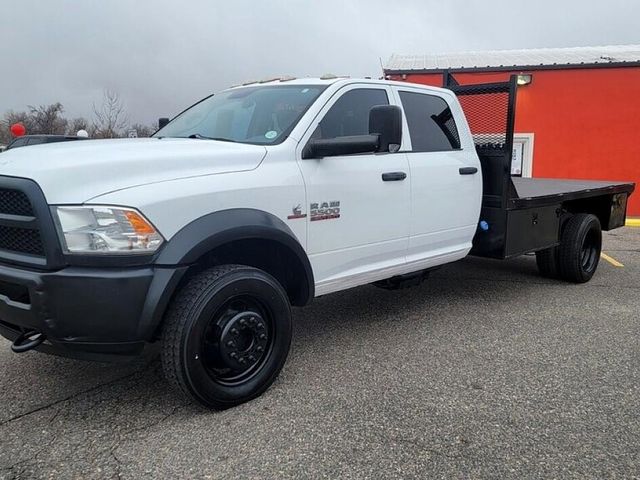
(386, 122)
(162, 122)
(385, 135)
(333, 147)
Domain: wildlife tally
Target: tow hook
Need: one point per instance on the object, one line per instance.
(27, 341)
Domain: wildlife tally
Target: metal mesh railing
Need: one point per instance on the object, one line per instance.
(487, 115)
(490, 112)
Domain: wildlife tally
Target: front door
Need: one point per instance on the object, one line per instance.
(357, 222)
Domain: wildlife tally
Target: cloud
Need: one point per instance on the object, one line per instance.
(163, 55)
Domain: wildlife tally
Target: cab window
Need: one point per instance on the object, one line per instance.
(350, 114)
(431, 123)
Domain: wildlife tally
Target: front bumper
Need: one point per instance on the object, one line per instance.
(90, 313)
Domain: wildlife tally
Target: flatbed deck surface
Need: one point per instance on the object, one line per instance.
(542, 187)
(543, 190)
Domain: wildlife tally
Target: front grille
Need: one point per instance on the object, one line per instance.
(23, 240)
(19, 233)
(15, 202)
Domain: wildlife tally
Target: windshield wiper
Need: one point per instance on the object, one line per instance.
(202, 137)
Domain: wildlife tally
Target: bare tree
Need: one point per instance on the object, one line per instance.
(80, 123)
(111, 118)
(44, 119)
(47, 119)
(9, 119)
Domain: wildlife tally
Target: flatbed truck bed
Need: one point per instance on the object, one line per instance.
(522, 215)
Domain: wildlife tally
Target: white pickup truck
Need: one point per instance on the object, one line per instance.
(263, 197)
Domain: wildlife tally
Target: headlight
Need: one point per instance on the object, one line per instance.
(106, 230)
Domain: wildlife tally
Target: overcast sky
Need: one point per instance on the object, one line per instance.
(161, 56)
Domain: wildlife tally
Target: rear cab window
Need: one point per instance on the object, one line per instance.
(431, 124)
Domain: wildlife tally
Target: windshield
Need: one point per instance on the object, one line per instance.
(262, 115)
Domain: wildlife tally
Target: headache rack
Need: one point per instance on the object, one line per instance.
(490, 112)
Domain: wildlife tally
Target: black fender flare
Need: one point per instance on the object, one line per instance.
(202, 236)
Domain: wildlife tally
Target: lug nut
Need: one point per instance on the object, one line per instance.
(252, 358)
(262, 336)
(252, 320)
(233, 354)
(243, 321)
(234, 331)
(242, 360)
(259, 349)
(231, 343)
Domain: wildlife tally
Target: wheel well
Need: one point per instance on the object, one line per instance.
(599, 206)
(269, 255)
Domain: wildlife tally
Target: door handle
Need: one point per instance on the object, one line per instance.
(468, 170)
(393, 176)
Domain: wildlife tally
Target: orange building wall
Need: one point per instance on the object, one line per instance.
(586, 121)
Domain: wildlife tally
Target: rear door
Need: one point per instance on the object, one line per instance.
(446, 182)
(357, 222)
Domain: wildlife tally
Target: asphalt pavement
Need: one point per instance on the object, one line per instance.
(485, 371)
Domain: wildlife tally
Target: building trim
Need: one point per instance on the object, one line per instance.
(512, 68)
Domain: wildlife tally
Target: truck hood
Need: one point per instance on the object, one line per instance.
(76, 172)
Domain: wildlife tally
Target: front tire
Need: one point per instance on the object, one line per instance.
(226, 335)
(580, 247)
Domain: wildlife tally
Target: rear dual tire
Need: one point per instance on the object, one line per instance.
(547, 261)
(576, 258)
(226, 335)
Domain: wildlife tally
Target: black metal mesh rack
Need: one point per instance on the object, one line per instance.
(486, 113)
(490, 112)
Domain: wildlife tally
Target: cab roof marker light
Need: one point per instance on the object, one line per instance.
(269, 80)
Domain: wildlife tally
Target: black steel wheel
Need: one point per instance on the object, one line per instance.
(227, 335)
(580, 247)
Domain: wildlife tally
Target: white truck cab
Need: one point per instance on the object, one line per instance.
(250, 201)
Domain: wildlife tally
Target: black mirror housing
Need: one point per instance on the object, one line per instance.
(386, 122)
(332, 147)
(162, 122)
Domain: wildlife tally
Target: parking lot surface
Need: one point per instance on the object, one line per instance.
(485, 371)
